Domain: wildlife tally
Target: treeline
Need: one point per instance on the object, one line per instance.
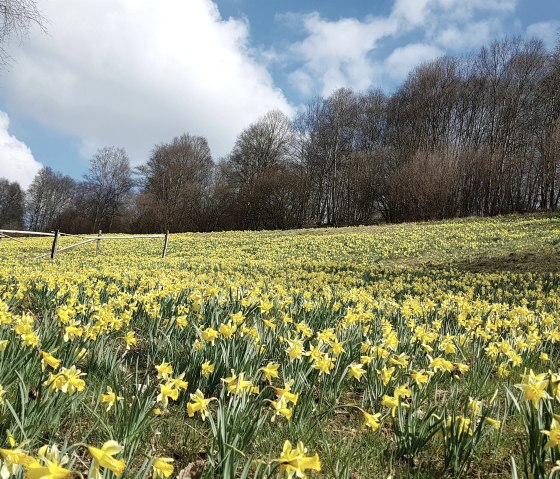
(474, 135)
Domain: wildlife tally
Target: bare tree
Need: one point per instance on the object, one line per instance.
(264, 144)
(108, 181)
(329, 134)
(176, 181)
(263, 182)
(11, 204)
(16, 18)
(48, 196)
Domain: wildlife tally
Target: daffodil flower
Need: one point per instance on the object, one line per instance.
(104, 457)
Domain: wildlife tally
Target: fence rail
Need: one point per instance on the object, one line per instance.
(100, 237)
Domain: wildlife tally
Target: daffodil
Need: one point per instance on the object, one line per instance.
(237, 318)
(356, 371)
(494, 423)
(198, 404)
(390, 402)
(325, 364)
(420, 377)
(66, 380)
(281, 408)
(386, 374)
(227, 330)
(296, 349)
(47, 359)
(209, 335)
(207, 368)
(553, 433)
(372, 420)
(287, 393)
(534, 387)
(110, 398)
(179, 382)
(162, 467)
(293, 462)
(47, 470)
(167, 391)
(164, 370)
(13, 460)
(104, 457)
(270, 371)
(237, 385)
(130, 339)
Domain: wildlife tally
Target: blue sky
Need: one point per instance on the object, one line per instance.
(137, 74)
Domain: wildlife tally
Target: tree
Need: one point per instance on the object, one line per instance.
(262, 145)
(176, 181)
(11, 204)
(107, 183)
(16, 18)
(328, 135)
(265, 184)
(48, 196)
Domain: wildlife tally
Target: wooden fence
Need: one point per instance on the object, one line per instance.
(8, 234)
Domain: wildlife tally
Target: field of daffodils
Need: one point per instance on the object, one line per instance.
(406, 351)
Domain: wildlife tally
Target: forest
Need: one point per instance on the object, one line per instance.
(471, 135)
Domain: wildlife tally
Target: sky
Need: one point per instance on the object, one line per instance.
(137, 73)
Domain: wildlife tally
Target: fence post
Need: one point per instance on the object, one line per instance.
(98, 245)
(165, 241)
(55, 242)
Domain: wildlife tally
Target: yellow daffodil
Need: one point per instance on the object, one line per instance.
(553, 433)
(104, 457)
(534, 387)
(270, 371)
(198, 404)
(372, 420)
(164, 370)
(167, 391)
(162, 467)
(110, 398)
(207, 368)
(47, 359)
(356, 371)
(293, 462)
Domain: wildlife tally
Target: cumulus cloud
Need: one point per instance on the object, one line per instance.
(548, 32)
(335, 53)
(139, 72)
(402, 60)
(16, 160)
(352, 53)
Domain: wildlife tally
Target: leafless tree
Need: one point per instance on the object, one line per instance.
(48, 196)
(328, 132)
(16, 18)
(107, 183)
(261, 180)
(264, 144)
(11, 204)
(176, 181)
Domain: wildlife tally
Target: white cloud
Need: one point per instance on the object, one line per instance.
(346, 52)
(16, 160)
(548, 32)
(134, 73)
(335, 53)
(463, 36)
(402, 60)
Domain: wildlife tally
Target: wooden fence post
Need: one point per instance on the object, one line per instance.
(97, 247)
(55, 243)
(165, 241)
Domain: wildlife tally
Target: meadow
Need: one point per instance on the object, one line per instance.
(407, 351)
